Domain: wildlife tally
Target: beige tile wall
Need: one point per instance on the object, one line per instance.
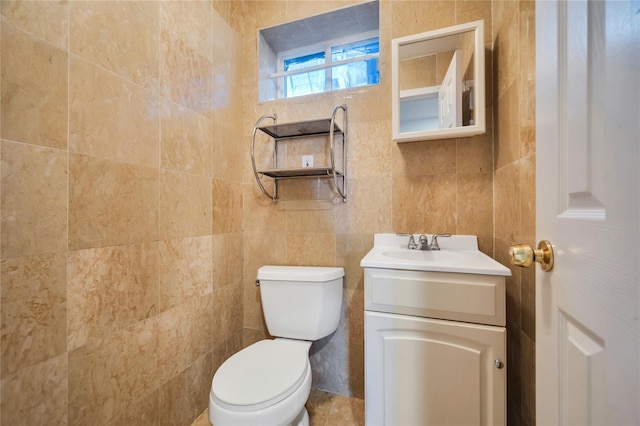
(132, 228)
(514, 193)
(121, 287)
(437, 186)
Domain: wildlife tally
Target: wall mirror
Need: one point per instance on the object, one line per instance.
(438, 84)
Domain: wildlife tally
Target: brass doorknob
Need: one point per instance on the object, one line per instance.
(523, 255)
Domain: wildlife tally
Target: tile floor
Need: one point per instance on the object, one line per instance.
(325, 409)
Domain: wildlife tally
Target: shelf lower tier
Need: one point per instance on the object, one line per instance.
(299, 172)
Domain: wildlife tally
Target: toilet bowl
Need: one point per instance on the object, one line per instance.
(268, 383)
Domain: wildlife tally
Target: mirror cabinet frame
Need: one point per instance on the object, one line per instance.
(426, 43)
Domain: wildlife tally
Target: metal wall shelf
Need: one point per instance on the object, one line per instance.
(304, 129)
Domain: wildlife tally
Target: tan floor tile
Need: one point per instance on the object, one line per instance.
(325, 409)
(202, 420)
(346, 411)
(319, 406)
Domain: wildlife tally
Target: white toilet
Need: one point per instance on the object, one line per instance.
(268, 383)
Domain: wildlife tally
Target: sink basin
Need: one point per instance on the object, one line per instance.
(459, 253)
(424, 256)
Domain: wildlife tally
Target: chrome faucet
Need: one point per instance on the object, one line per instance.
(423, 241)
(412, 242)
(434, 241)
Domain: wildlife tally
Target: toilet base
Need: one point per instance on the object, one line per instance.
(302, 419)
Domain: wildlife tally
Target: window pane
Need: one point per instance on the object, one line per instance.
(304, 83)
(359, 73)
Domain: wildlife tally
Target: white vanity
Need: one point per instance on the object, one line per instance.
(435, 337)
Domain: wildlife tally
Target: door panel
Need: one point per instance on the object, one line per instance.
(579, 65)
(582, 372)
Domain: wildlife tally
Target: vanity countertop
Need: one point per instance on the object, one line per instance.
(458, 253)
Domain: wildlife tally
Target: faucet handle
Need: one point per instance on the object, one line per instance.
(434, 241)
(412, 242)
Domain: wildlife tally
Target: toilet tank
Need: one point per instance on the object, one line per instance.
(301, 302)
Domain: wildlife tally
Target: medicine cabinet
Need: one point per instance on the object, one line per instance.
(438, 84)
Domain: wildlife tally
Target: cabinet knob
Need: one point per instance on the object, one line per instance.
(498, 364)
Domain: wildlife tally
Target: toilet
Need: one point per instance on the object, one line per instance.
(268, 383)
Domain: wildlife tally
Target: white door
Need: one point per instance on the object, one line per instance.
(587, 182)
(450, 94)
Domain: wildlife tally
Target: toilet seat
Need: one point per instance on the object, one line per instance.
(261, 375)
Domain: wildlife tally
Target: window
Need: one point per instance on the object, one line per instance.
(333, 51)
(341, 65)
(354, 74)
(304, 83)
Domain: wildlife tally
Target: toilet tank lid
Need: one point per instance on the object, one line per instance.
(300, 273)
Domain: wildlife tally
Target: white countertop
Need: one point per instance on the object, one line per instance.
(458, 253)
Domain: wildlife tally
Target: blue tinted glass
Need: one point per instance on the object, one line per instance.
(352, 50)
(304, 83)
(359, 73)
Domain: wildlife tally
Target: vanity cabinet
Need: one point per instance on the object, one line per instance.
(438, 84)
(423, 371)
(435, 348)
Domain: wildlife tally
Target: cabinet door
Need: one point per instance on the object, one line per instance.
(421, 371)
